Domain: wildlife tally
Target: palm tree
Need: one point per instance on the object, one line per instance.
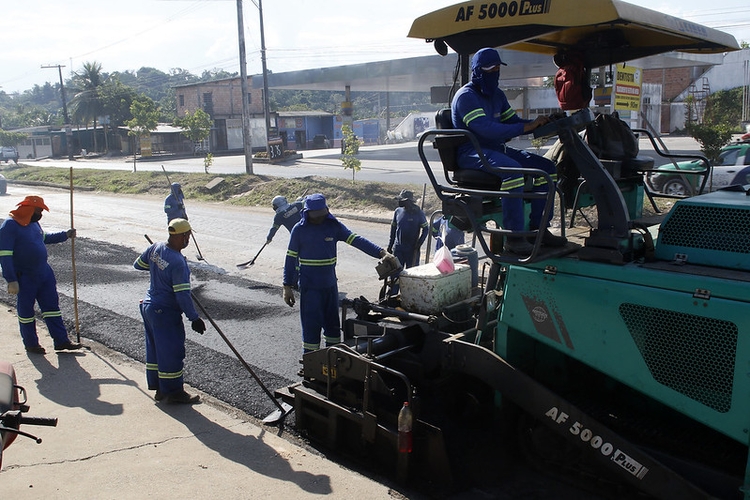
(86, 104)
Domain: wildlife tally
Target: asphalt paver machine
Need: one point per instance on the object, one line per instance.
(624, 356)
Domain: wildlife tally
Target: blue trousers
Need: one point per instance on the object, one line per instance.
(408, 256)
(513, 207)
(319, 310)
(165, 348)
(39, 287)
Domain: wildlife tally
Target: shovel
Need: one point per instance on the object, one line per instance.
(251, 261)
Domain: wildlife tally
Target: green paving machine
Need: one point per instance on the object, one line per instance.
(624, 356)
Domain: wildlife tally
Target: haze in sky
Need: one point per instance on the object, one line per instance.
(200, 35)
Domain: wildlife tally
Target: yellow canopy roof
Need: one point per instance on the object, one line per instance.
(607, 31)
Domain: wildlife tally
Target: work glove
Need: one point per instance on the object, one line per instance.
(288, 295)
(198, 326)
(13, 287)
(390, 260)
(70, 233)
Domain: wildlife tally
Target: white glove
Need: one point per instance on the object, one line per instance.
(288, 295)
(13, 287)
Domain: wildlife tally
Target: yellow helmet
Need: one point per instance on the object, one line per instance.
(179, 226)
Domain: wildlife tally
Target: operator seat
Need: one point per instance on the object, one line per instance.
(447, 147)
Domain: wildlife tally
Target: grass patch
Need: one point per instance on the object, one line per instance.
(237, 189)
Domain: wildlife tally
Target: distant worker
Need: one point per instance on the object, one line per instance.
(287, 215)
(482, 108)
(408, 230)
(311, 264)
(174, 203)
(167, 299)
(443, 229)
(23, 257)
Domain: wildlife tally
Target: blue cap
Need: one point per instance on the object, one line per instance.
(315, 202)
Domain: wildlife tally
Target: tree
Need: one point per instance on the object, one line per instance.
(350, 150)
(86, 104)
(195, 126)
(9, 139)
(720, 118)
(145, 119)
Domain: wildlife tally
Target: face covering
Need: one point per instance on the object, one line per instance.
(36, 217)
(488, 82)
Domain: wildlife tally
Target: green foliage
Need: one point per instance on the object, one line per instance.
(351, 148)
(724, 107)
(116, 99)
(711, 137)
(208, 160)
(145, 116)
(8, 138)
(721, 117)
(196, 126)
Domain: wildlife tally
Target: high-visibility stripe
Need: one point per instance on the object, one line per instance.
(152, 367)
(317, 262)
(6, 253)
(351, 238)
(332, 340)
(472, 115)
(181, 287)
(142, 264)
(26, 321)
(308, 346)
(291, 253)
(170, 375)
(507, 114)
(51, 314)
(511, 184)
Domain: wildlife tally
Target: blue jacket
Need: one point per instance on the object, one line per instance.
(23, 250)
(170, 279)
(408, 227)
(311, 256)
(490, 118)
(288, 217)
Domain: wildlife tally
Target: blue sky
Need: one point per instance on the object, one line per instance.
(199, 35)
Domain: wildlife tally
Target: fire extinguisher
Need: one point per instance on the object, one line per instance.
(405, 422)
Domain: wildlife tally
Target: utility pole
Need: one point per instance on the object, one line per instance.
(68, 129)
(246, 137)
(265, 80)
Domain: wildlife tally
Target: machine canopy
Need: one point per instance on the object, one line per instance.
(607, 31)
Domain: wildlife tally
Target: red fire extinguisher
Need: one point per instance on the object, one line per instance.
(405, 421)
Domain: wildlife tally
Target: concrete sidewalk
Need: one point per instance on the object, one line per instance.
(114, 442)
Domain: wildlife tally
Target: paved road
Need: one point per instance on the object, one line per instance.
(396, 163)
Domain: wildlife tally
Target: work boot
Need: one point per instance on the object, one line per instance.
(37, 349)
(158, 396)
(182, 397)
(68, 346)
(518, 245)
(552, 240)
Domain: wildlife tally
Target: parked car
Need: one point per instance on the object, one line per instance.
(8, 153)
(732, 167)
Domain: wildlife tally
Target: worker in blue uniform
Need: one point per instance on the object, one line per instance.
(167, 299)
(287, 215)
(311, 265)
(408, 230)
(482, 108)
(174, 203)
(23, 257)
(442, 229)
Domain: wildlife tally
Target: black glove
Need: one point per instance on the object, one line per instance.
(198, 326)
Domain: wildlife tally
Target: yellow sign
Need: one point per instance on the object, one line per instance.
(146, 145)
(628, 81)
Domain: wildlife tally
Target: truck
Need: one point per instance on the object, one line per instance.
(8, 153)
(620, 359)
